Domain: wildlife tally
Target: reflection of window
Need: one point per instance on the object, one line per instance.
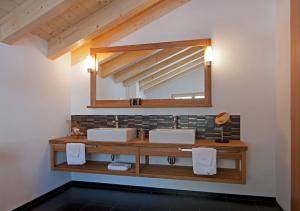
(198, 95)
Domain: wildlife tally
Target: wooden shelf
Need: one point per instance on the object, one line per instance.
(234, 150)
(96, 167)
(186, 173)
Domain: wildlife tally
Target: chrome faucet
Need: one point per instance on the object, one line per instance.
(175, 122)
(116, 121)
(221, 130)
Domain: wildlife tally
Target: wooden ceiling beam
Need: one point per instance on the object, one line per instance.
(172, 76)
(105, 57)
(178, 60)
(105, 19)
(123, 61)
(141, 66)
(131, 23)
(28, 15)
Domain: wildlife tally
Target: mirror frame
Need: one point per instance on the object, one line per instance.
(152, 103)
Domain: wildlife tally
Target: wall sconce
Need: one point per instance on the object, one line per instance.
(208, 55)
(90, 64)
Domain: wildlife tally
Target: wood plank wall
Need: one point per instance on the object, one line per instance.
(295, 102)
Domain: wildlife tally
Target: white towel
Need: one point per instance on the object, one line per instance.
(204, 161)
(119, 166)
(75, 153)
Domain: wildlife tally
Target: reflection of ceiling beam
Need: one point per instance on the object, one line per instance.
(123, 61)
(174, 68)
(171, 76)
(141, 66)
(131, 23)
(29, 14)
(181, 59)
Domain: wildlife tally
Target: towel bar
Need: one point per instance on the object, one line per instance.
(184, 149)
(91, 146)
(189, 150)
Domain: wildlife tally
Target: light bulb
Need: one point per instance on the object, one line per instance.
(89, 62)
(208, 58)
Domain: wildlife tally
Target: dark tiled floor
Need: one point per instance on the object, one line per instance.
(121, 199)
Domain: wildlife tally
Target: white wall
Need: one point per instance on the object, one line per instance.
(133, 91)
(107, 89)
(34, 104)
(243, 34)
(283, 146)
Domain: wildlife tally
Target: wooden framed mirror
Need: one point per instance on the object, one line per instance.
(155, 75)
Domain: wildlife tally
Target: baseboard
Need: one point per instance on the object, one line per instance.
(130, 188)
(168, 191)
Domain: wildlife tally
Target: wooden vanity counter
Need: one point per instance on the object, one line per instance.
(236, 144)
(234, 150)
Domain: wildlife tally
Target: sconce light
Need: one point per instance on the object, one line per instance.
(208, 55)
(90, 64)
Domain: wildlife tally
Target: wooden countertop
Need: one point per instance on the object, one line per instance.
(233, 144)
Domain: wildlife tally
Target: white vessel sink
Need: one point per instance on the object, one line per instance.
(111, 134)
(172, 136)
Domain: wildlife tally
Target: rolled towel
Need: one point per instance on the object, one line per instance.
(119, 166)
(75, 153)
(204, 161)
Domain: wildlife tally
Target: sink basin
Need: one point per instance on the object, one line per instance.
(172, 136)
(111, 134)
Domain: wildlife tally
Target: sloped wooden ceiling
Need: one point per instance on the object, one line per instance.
(78, 25)
(8, 5)
(69, 18)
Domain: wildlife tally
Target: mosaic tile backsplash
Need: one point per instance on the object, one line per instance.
(204, 124)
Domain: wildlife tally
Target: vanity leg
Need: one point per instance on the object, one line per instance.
(53, 157)
(137, 162)
(243, 172)
(147, 159)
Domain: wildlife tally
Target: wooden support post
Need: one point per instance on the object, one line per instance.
(137, 162)
(53, 157)
(244, 170)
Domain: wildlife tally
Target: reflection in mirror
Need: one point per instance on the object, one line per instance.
(169, 73)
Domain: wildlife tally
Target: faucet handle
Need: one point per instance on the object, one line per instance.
(175, 118)
(116, 121)
(175, 122)
(76, 131)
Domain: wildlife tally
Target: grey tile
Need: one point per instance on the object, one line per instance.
(245, 205)
(118, 198)
(204, 124)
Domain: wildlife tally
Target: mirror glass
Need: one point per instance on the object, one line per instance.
(168, 73)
